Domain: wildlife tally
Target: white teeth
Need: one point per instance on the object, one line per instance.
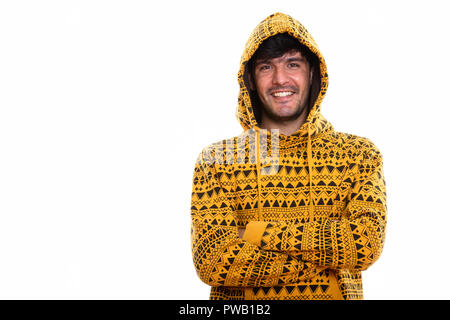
(282, 94)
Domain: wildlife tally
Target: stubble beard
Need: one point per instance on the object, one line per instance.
(300, 108)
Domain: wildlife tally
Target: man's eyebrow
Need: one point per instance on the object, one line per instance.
(296, 59)
(261, 61)
(292, 59)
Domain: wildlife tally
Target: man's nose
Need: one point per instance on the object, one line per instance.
(280, 76)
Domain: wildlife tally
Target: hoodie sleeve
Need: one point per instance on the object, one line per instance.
(220, 257)
(352, 242)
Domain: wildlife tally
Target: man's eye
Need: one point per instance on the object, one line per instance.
(294, 65)
(265, 67)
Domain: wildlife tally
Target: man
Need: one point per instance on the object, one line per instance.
(290, 209)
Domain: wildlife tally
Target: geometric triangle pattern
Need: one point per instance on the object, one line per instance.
(314, 216)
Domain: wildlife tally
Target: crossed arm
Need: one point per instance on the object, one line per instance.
(277, 253)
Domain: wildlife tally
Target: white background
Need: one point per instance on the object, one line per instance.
(104, 106)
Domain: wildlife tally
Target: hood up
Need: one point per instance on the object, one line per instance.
(275, 24)
(315, 123)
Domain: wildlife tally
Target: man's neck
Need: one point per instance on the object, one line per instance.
(286, 127)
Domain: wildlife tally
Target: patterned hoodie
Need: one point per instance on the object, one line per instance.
(313, 204)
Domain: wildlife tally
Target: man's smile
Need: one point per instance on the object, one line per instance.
(282, 93)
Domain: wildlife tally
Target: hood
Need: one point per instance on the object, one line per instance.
(272, 25)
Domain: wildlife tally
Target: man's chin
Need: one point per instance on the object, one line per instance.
(283, 117)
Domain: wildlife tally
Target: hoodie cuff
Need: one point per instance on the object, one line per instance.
(254, 232)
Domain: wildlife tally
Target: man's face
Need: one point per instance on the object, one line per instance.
(283, 85)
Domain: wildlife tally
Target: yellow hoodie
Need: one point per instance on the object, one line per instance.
(313, 204)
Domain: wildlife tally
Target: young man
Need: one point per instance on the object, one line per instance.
(290, 209)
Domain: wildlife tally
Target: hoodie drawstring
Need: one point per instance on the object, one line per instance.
(309, 151)
(258, 175)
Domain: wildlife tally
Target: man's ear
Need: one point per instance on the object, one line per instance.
(311, 74)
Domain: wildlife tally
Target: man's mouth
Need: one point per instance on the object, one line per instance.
(282, 93)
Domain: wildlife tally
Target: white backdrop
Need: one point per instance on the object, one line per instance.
(104, 106)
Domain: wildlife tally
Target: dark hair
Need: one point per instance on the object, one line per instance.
(275, 47)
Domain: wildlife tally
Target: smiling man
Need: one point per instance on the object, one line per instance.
(280, 75)
(307, 227)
